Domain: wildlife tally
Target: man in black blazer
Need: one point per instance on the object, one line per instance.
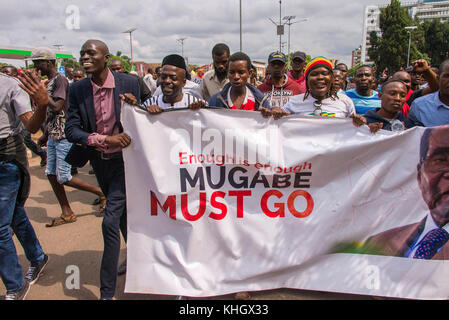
(93, 125)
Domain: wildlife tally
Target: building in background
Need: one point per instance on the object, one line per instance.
(423, 9)
(142, 67)
(260, 67)
(356, 57)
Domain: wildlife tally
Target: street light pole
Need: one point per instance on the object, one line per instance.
(289, 23)
(181, 40)
(240, 25)
(131, 43)
(409, 29)
(280, 24)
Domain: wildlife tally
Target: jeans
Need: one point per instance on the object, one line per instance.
(57, 150)
(15, 216)
(111, 178)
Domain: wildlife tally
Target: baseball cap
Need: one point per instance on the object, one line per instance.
(300, 55)
(277, 56)
(43, 53)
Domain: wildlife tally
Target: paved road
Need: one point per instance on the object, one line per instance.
(80, 244)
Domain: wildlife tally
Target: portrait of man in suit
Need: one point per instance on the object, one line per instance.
(427, 238)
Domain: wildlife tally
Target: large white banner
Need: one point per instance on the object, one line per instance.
(223, 201)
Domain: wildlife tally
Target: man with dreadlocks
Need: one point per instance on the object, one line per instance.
(320, 98)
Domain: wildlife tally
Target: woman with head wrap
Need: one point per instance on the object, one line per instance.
(320, 98)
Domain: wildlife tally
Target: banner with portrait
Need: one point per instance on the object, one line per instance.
(223, 201)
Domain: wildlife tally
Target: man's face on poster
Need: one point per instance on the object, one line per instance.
(433, 175)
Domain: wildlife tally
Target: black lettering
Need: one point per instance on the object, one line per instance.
(262, 179)
(243, 180)
(185, 176)
(280, 181)
(220, 182)
(299, 181)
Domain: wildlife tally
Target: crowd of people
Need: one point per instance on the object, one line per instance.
(79, 116)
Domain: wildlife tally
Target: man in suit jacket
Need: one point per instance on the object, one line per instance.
(93, 125)
(428, 238)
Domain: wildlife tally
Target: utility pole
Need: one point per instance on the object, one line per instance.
(240, 25)
(289, 23)
(131, 43)
(181, 40)
(409, 29)
(280, 26)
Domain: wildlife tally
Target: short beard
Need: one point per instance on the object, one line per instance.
(221, 74)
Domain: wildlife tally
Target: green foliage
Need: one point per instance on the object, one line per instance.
(436, 43)
(70, 63)
(125, 61)
(429, 41)
(351, 72)
(392, 48)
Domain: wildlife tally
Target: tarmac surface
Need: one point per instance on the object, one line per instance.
(80, 244)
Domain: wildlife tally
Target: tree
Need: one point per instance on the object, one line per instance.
(391, 50)
(436, 43)
(72, 63)
(373, 50)
(124, 59)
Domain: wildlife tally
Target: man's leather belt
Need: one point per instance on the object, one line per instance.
(108, 156)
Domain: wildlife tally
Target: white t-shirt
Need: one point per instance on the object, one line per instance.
(341, 107)
(150, 82)
(187, 99)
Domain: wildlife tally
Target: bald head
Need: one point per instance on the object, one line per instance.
(100, 45)
(404, 77)
(94, 56)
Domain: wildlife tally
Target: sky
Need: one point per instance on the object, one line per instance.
(333, 27)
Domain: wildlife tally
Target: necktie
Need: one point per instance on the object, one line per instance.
(429, 245)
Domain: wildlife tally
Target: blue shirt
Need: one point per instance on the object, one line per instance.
(364, 104)
(429, 111)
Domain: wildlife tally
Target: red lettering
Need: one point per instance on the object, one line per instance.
(281, 207)
(291, 204)
(240, 195)
(169, 204)
(218, 205)
(181, 158)
(185, 207)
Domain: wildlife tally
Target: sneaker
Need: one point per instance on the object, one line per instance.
(34, 272)
(19, 295)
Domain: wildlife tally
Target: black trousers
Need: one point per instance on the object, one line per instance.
(111, 179)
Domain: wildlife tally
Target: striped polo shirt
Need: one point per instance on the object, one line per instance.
(187, 99)
(363, 104)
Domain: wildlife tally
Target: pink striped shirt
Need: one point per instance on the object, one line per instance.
(104, 115)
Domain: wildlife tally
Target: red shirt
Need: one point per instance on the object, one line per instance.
(406, 107)
(248, 104)
(301, 81)
(104, 115)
